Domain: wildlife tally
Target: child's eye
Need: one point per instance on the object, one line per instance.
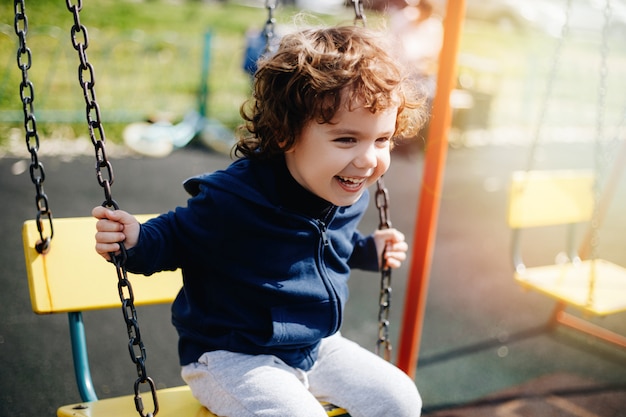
(383, 140)
(345, 140)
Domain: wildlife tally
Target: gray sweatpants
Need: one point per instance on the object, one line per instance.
(239, 385)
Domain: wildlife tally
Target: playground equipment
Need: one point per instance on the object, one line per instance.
(263, 42)
(547, 198)
(49, 277)
(429, 200)
(158, 139)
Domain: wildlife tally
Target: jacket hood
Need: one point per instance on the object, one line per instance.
(258, 187)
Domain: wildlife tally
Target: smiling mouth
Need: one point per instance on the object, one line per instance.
(351, 182)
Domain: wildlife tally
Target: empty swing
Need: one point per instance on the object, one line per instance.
(56, 286)
(570, 198)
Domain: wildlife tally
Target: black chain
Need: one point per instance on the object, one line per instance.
(384, 302)
(269, 30)
(383, 344)
(27, 95)
(87, 81)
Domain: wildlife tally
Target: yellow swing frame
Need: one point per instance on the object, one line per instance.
(541, 198)
(596, 286)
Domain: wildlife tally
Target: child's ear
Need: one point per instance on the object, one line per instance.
(287, 145)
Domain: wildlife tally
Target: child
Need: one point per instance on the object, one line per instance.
(266, 245)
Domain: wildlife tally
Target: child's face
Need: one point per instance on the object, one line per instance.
(337, 161)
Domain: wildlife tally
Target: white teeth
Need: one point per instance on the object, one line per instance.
(352, 180)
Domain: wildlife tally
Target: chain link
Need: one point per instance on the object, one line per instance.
(27, 95)
(105, 178)
(269, 30)
(383, 344)
(359, 15)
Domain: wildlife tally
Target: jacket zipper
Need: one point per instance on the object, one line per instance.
(322, 225)
(323, 229)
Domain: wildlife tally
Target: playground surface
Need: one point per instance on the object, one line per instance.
(485, 351)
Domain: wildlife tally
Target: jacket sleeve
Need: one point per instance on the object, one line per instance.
(155, 250)
(364, 255)
(174, 239)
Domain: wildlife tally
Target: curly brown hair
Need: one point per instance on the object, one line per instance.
(312, 74)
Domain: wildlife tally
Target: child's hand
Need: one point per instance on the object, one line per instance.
(114, 227)
(396, 247)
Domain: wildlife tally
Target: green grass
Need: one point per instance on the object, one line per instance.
(148, 57)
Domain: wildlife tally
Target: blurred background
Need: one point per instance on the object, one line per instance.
(150, 63)
(529, 95)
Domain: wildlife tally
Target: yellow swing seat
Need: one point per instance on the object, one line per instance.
(72, 278)
(596, 286)
(173, 402)
(569, 282)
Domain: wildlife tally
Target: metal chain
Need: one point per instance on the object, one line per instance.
(270, 25)
(359, 15)
(600, 157)
(27, 95)
(556, 57)
(383, 344)
(87, 81)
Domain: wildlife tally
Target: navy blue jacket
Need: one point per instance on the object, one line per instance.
(265, 263)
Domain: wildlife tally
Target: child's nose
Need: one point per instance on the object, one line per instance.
(367, 158)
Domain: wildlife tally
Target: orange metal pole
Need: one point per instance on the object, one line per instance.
(587, 327)
(434, 167)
